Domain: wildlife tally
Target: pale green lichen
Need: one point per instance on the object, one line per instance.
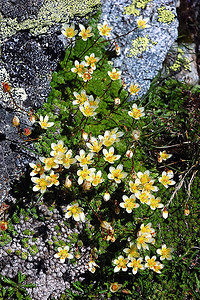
(142, 3)
(165, 15)
(140, 45)
(52, 12)
(181, 62)
(132, 10)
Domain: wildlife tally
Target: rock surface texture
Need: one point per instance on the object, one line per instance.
(30, 51)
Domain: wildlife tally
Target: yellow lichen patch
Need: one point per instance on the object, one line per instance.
(139, 46)
(181, 61)
(131, 10)
(165, 15)
(142, 3)
(50, 13)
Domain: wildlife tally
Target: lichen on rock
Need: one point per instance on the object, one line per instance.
(139, 45)
(131, 10)
(165, 15)
(51, 13)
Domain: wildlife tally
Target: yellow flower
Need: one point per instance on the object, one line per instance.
(157, 267)
(93, 102)
(165, 252)
(115, 75)
(97, 179)
(41, 183)
(155, 203)
(85, 174)
(132, 251)
(92, 266)
(87, 76)
(80, 99)
(166, 178)
(84, 160)
(85, 33)
(76, 212)
(150, 262)
(149, 187)
(163, 156)
(134, 89)
(129, 203)
(142, 23)
(116, 174)
(53, 179)
(63, 253)
(109, 155)
(104, 30)
(37, 168)
(143, 178)
(95, 145)
(136, 112)
(69, 31)
(142, 241)
(79, 68)
(120, 263)
(136, 265)
(67, 160)
(111, 137)
(133, 187)
(146, 230)
(44, 122)
(143, 196)
(87, 109)
(59, 147)
(49, 163)
(91, 61)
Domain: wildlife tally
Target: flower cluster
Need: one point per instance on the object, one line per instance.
(60, 157)
(142, 188)
(134, 259)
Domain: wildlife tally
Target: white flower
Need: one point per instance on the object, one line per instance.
(117, 174)
(44, 122)
(166, 178)
(63, 253)
(109, 155)
(76, 212)
(142, 23)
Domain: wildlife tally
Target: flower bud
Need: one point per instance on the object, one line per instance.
(6, 87)
(117, 210)
(68, 182)
(15, 121)
(86, 185)
(114, 287)
(118, 50)
(27, 131)
(106, 196)
(186, 212)
(84, 135)
(3, 225)
(129, 153)
(32, 119)
(136, 135)
(105, 225)
(165, 213)
(117, 101)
